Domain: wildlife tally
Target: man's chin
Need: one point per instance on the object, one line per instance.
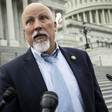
(41, 46)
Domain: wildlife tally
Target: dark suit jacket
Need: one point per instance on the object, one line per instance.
(24, 75)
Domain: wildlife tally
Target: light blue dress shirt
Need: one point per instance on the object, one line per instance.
(68, 76)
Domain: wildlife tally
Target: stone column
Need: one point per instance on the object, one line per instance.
(88, 1)
(84, 17)
(110, 19)
(69, 5)
(66, 6)
(73, 17)
(1, 23)
(3, 42)
(16, 20)
(78, 17)
(90, 16)
(25, 3)
(74, 4)
(97, 17)
(10, 21)
(103, 17)
(93, 0)
(78, 2)
(83, 1)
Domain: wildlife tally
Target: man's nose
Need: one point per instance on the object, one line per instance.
(38, 25)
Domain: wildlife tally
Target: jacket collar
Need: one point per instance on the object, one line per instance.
(31, 68)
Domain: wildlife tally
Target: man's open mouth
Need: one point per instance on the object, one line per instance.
(39, 35)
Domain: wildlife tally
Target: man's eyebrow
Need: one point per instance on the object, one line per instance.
(43, 13)
(28, 17)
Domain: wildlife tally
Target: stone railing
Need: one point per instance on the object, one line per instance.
(97, 44)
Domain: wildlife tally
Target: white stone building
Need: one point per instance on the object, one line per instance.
(97, 16)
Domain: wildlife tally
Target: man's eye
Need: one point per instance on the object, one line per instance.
(43, 18)
(29, 21)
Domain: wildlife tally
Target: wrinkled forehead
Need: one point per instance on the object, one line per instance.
(36, 8)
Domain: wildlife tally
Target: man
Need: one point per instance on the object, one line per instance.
(30, 74)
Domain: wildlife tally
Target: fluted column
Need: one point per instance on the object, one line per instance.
(74, 4)
(73, 17)
(88, 1)
(97, 17)
(78, 2)
(10, 21)
(83, 1)
(103, 17)
(1, 23)
(90, 16)
(70, 5)
(25, 3)
(84, 17)
(110, 18)
(93, 0)
(66, 6)
(78, 17)
(16, 20)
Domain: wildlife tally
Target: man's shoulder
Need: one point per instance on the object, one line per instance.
(75, 50)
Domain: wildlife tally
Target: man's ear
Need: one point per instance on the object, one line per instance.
(55, 26)
(23, 30)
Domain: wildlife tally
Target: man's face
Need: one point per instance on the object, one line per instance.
(39, 28)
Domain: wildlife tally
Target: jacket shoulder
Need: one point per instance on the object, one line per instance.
(74, 50)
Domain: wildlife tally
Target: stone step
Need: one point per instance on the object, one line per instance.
(108, 97)
(106, 88)
(102, 77)
(105, 85)
(103, 82)
(107, 92)
(109, 107)
(109, 102)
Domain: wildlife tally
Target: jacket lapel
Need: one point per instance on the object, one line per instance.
(81, 79)
(32, 70)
